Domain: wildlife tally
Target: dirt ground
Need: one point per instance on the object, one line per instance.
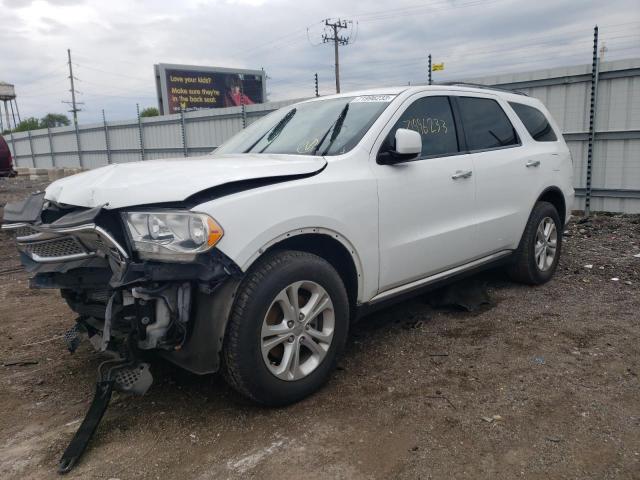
(544, 384)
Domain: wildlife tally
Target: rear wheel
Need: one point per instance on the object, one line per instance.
(537, 256)
(287, 327)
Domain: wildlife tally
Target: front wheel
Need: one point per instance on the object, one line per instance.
(287, 327)
(538, 254)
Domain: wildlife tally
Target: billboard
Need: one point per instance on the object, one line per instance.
(188, 87)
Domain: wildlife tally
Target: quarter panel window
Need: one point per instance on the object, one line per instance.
(535, 122)
(485, 124)
(431, 117)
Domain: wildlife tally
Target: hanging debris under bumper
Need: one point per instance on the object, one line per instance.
(178, 310)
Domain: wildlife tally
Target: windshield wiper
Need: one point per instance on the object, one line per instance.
(335, 131)
(274, 132)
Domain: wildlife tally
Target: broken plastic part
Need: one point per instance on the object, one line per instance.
(78, 444)
(135, 379)
(73, 336)
(124, 375)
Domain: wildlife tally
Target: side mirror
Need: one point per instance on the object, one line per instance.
(408, 146)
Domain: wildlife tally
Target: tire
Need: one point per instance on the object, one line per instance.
(269, 376)
(526, 267)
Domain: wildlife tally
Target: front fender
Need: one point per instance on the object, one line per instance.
(312, 231)
(342, 202)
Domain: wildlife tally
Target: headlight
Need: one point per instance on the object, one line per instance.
(172, 235)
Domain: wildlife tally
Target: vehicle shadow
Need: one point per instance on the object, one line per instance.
(411, 314)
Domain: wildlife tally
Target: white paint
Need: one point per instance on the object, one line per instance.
(156, 181)
(249, 461)
(401, 223)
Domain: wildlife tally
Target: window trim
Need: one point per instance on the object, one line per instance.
(460, 140)
(491, 149)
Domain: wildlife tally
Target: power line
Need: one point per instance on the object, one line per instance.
(47, 75)
(512, 49)
(111, 73)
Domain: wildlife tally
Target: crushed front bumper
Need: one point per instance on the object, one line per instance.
(176, 309)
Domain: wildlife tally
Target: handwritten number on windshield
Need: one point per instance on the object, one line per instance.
(308, 146)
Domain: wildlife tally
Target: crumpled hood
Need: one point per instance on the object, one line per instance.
(172, 180)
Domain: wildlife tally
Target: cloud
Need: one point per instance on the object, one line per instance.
(27, 3)
(115, 43)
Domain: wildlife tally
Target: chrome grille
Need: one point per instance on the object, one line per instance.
(25, 231)
(53, 249)
(44, 243)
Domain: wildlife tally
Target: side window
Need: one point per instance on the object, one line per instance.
(431, 117)
(485, 124)
(535, 122)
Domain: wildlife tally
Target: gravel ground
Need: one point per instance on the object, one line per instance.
(543, 384)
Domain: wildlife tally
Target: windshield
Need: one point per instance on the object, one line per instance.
(324, 127)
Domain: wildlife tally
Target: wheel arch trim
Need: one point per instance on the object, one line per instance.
(555, 190)
(319, 231)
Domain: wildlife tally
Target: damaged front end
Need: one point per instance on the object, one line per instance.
(135, 287)
(125, 293)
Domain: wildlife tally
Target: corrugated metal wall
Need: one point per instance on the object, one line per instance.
(168, 136)
(565, 91)
(616, 152)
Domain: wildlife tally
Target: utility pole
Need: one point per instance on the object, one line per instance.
(337, 40)
(73, 103)
(429, 69)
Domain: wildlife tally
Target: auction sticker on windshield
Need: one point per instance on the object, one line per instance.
(373, 98)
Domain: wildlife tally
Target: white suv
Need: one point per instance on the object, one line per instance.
(255, 259)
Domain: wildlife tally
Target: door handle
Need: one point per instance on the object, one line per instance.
(461, 174)
(533, 163)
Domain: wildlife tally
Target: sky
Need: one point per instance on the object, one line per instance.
(115, 43)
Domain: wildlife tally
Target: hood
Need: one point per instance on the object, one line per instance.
(172, 180)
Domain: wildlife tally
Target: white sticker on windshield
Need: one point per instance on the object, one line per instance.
(373, 98)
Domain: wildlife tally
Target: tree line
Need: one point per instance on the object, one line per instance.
(52, 120)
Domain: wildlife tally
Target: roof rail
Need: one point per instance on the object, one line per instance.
(485, 87)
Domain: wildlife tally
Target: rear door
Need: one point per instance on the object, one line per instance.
(426, 206)
(503, 179)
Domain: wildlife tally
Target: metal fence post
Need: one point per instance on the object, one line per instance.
(595, 67)
(106, 137)
(33, 157)
(78, 146)
(51, 151)
(183, 132)
(244, 111)
(13, 145)
(140, 133)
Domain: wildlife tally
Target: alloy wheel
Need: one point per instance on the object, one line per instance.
(546, 244)
(297, 330)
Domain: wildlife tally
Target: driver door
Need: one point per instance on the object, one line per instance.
(426, 205)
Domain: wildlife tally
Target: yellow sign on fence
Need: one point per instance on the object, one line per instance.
(437, 66)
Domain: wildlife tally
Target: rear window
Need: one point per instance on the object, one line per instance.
(486, 126)
(535, 122)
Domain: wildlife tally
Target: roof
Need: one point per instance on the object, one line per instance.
(461, 87)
